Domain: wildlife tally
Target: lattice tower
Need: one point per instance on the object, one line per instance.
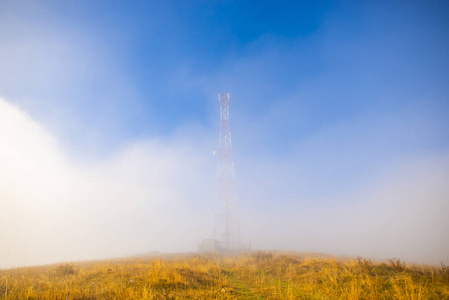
(227, 228)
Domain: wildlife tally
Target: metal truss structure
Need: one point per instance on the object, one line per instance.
(226, 227)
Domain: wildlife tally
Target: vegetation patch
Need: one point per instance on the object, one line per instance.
(259, 275)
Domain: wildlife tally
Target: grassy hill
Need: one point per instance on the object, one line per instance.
(257, 275)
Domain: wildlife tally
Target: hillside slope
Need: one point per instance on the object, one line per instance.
(258, 275)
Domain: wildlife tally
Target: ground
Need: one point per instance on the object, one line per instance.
(256, 275)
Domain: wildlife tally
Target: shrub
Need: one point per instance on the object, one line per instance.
(397, 264)
(443, 271)
(261, 256)
(366, 265)
(65, 269)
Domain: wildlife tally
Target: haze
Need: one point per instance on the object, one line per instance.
(109, 116)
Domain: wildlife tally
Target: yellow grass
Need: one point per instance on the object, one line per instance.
(256, 275)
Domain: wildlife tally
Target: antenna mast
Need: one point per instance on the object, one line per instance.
(226, 229)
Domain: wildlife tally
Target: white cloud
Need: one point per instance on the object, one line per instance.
(401, 213)
(131, 202)
(158, 195)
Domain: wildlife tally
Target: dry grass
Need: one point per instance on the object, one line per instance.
(258, 275)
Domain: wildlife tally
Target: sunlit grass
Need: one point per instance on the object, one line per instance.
(257, 275)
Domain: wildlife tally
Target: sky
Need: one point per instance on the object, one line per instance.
(109, 117)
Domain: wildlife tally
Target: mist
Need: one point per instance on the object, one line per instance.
(157, 195)
(145, 197)
(109, 118)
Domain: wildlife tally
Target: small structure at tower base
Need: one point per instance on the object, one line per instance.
(213, 246)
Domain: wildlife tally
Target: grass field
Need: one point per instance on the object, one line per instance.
(257, 275)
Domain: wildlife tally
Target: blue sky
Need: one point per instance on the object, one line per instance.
(148, 68)
(332, 102)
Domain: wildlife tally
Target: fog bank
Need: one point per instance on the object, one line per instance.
(158, 194)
